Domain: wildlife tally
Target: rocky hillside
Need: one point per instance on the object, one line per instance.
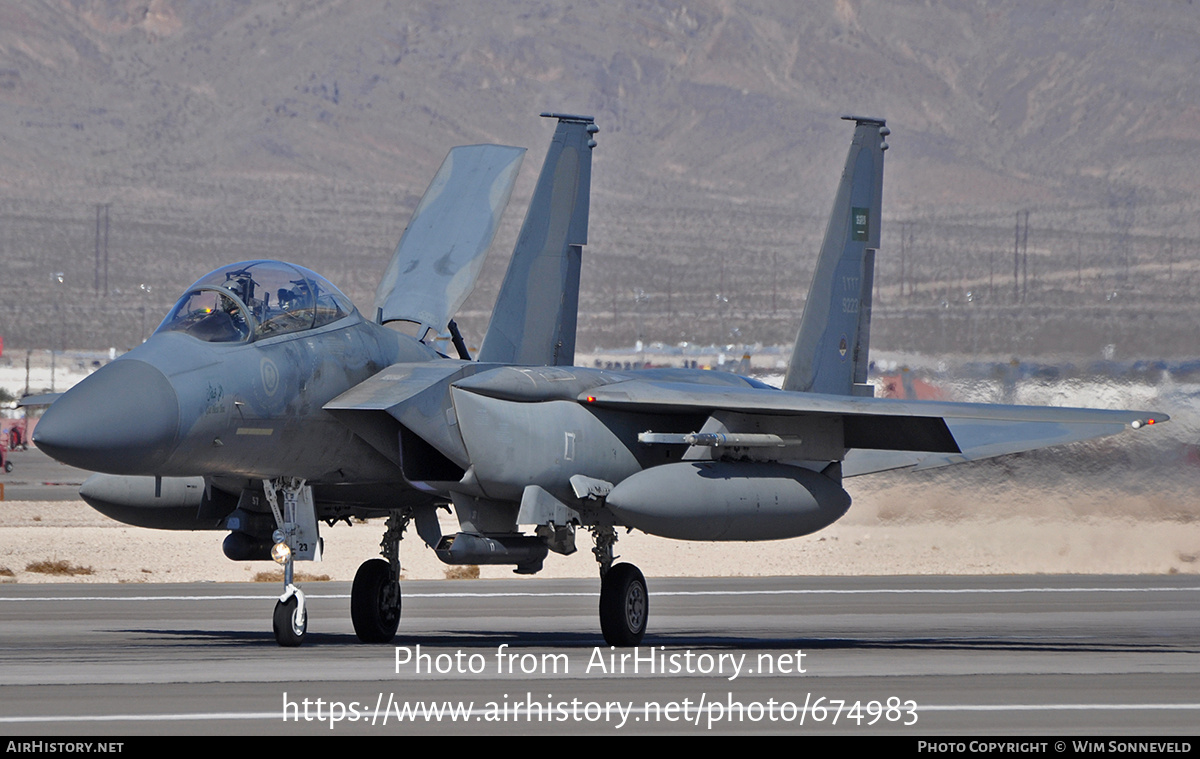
(307, 130)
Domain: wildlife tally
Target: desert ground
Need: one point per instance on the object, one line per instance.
(890, 530)
(1120, 505)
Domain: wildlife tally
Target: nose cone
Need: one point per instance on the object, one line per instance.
(121, 420)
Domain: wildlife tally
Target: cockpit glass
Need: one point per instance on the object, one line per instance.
(209, 316)
(278, 298)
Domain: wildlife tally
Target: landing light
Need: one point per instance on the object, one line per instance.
(281, 553)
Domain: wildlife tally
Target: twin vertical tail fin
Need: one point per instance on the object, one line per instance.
(830, 355)
(534, 319)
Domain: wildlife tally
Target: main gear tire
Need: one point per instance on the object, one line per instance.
(375, 602)
(624, 605)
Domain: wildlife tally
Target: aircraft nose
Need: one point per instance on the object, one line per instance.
(121, 420)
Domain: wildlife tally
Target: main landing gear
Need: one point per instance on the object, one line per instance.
(375, 595)
(375, 598)
(624, 600)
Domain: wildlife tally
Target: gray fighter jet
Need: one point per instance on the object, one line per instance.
(265, 404)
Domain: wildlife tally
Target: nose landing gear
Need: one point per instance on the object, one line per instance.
(296, 537)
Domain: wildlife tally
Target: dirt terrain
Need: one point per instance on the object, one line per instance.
(902, 529)
(147, 143)
(1122, 504)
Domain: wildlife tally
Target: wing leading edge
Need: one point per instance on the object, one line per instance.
(883, 433)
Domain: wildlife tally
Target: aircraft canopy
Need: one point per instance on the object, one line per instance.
(256, 300)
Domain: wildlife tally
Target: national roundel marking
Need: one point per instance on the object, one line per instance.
(270, 376)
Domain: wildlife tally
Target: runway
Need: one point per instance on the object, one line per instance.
(37, 477)
(1066, 655)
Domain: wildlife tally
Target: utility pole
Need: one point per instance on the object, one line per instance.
(670, 287)
(774, 278)
(96, 286)
(101, 245)
(1025, 260)
(106, 248)
(1020, 255)
(1017, 260)
(991, 275)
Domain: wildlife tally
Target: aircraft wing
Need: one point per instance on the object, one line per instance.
(883, 433)
(441, 252)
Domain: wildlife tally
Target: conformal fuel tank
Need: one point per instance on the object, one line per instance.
(728, 500)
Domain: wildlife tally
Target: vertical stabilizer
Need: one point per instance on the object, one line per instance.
(533, 322)
(830, 355)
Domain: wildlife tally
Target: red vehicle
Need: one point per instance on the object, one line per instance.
(17, 440)
(12, 439)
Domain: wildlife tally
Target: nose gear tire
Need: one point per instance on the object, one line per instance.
(291, 624)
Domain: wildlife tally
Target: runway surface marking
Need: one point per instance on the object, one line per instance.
(558, 594)
(216, 716)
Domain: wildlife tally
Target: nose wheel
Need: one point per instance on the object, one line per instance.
(290, 620)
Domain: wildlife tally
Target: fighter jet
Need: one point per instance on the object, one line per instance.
(265, 404)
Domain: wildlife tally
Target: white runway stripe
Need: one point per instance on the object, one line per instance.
(554, 594)
(221, 716)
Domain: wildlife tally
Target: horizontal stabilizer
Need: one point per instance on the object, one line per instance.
(441, 252)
